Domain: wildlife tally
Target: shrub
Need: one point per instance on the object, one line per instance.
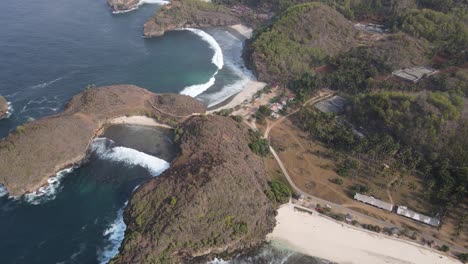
(444, 248)
(280, 191)
(337, 181)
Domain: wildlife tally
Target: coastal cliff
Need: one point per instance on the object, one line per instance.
(3, 107)
(122, 5)
(189, 13)
(39, 149)
(212, 199)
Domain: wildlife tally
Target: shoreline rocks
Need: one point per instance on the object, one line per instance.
(196, 14)
(122, 5)
(39, 149)
(3, 107)
(210, 201)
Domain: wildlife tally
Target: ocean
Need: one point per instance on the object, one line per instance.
(51, 50)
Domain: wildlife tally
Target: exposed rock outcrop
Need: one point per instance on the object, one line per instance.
(3, 107)
(210, 201)
(122, 5)
(189, 13)
(39, 149)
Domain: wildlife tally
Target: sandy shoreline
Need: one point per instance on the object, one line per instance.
(245, 31)
(318, 236)
(246, 94)
(138, 120)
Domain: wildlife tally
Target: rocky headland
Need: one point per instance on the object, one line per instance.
(212, 200)
(122, 5)
(39, 149)
(189, 13)
(3, 107)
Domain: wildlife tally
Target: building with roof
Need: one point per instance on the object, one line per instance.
(374, 202)
(414, 74)
(334, 104)
(404, 211)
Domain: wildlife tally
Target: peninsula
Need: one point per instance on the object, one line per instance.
(39, 149)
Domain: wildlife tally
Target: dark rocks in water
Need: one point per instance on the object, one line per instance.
(41, 148)
(3, 107)
(210, 201)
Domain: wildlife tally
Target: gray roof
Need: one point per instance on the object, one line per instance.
(334, 105)
(404, 211)
(414, 74)
(372, 201)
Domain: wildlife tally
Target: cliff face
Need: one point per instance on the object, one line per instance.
(122, 5)
(3, 107)
(38, 149)
(188, 13)
(210, 201)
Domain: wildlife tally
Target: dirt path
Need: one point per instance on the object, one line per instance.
(389, 185)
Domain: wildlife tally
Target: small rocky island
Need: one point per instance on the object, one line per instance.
(3, 107)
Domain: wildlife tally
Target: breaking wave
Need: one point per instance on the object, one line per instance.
(9, 111)
(218, 60)
(3, 190)
(104, 148)
(45, 84)
(48, 192)
(142, 2)
(115, 234)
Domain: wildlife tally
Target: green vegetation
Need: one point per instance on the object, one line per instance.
(258, 144)
(178, 132)
(262, 113)
(444, 248)
(337, 181)
(278, 192)
(448, 31)
(301, 38)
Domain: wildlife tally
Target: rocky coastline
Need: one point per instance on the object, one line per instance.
(3, 107)
(211, 201)
(194, 14)
(123, 5)
(39, 149)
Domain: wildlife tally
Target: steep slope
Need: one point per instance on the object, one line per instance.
(188, 13)
(210, 201)
(301, 38)
(38, 149)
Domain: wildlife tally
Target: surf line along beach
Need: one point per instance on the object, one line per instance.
(315, 235)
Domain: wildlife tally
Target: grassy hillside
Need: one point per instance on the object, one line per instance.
(302, 37)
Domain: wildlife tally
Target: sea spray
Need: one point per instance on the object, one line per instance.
(115, 234)
(104, 148)
(3, 190)
(48, 192)
(218, 60)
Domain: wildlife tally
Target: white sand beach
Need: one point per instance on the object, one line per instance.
(246, 94)
(321, 237)
(243, 30)
(138, 120)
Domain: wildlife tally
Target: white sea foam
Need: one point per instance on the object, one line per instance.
(104, 148)
(48, 192)
(142, 2)
(197, 89)
(218, 60)
(9, 111)
(232, 50)
(45, 84)
(3, 190)
(115, 234)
